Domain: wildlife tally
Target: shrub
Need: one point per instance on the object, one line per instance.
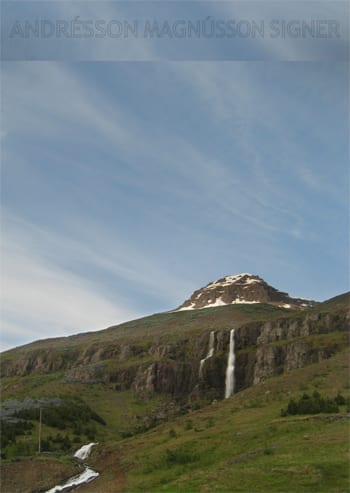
(20, 448)
(340, 399)
(313, 404)
(268, 450)
(73, 413)
(180, 455)
(172, 433)
(10, 430)
(189, 424)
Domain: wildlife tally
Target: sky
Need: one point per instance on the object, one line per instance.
(132, 177)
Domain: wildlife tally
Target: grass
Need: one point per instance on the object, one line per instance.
(122, 411)
(165, 328)
(248, 447)
(241, 444)
(169, 325)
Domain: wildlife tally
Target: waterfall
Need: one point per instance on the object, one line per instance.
(84, 477)
(84, 451)
(230, 370)
(210, 352)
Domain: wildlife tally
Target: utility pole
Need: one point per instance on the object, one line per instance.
(40, 418)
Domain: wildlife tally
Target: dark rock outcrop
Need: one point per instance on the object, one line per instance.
(166, 376)
(172, 366)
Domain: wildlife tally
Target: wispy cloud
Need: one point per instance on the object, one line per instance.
(203, 177)
(47, 272)
(121, 197)
(40, 299)
(259, 120)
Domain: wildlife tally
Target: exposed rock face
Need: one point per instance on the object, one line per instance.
(166, 376)
(241, 288)
(171, 365)
(40, 361)
(263, 350)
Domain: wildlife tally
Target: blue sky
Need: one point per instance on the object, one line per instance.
(127, 185)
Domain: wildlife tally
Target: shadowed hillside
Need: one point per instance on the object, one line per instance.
(116, 386)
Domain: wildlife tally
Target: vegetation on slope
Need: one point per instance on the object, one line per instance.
(243, 444)
(240, 444)
(169, 324)
(64, 427)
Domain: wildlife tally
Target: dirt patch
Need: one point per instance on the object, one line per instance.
(34, 475)
(37, 475)
(113, 477)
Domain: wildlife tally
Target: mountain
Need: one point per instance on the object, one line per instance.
(152, 393)
(242, 289)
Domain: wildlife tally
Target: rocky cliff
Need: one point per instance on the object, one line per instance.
(170, 364)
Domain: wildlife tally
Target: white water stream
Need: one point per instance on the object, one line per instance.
(84, 451)
(210, 352)
(230, 370)
(84, 477)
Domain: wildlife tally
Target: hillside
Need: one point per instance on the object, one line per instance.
(243, 443)
(240, 444)
(158, 383)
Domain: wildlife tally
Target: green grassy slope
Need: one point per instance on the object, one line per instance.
(243, 444)
(168, 324)
(120, 409)
(173, 324)
(343, 300)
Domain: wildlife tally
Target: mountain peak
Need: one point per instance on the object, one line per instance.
(242, 288)
(244, 278)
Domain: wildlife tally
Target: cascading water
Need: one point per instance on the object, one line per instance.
(84, 477)
(210, 352)
(230, 370)
(84, 451)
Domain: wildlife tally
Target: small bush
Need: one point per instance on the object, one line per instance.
(340, 399)
(20, 448)
(313, 404)
(9, 431)
(189, 424)
(172, 433)
(180, 455)
(268, 451)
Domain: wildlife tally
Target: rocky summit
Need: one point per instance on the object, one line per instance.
(242, 289)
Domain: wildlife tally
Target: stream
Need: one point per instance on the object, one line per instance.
(84, 477)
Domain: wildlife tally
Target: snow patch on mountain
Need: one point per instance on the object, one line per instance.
(242, 288)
